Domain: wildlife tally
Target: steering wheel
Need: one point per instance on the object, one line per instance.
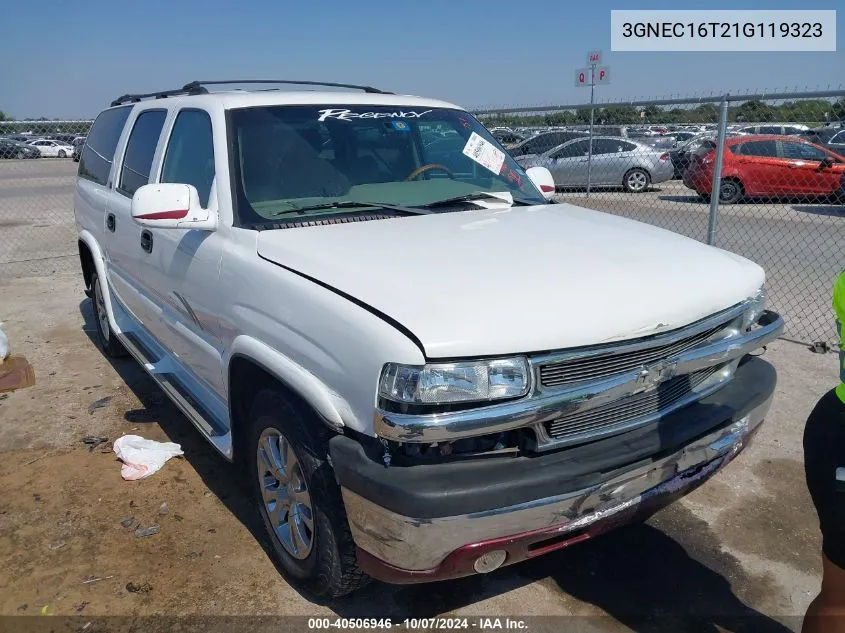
(421, 170)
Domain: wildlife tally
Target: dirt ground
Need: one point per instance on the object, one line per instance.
(741, 553)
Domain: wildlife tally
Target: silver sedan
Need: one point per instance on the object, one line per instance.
(616, 162)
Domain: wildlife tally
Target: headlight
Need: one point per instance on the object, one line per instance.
(443, 383)
(756, 306)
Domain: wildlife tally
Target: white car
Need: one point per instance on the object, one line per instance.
(425, 368)
(50, 148)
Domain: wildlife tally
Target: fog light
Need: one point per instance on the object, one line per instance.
(490, 561)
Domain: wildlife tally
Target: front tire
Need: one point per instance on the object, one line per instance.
(62, 153)
(636, 180)
(298, 498)
(108, 341)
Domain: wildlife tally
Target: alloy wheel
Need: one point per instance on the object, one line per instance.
(284, 490)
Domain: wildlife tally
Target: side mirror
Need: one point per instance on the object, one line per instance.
(171, 206)
(543, 180)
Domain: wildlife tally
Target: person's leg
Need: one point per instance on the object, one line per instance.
(827, 612)
(824, 452)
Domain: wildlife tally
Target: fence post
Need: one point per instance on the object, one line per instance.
(717, 171)
(592, 113)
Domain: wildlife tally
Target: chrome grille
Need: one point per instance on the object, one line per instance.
(600, 365)
(628, 409)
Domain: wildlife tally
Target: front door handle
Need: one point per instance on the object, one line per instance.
(110, 222)
(147, 241)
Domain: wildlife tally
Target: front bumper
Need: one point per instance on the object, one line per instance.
(408, 529)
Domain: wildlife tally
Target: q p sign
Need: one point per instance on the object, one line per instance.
(589, 77)
(602, 75)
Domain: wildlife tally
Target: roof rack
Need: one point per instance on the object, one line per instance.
(198, 88)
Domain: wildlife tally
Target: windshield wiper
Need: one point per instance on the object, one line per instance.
(476, 195)
(351, 204)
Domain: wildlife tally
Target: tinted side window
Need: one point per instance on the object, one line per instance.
(757, 148)
(578, 148)
(770, 129)
(190, 153)
(609, 146)
(536, 145)
(98, 153)
(138, 159)
(802, 151)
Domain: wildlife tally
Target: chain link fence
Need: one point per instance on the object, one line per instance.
(762, 176)
(779, 192)
(37, 175)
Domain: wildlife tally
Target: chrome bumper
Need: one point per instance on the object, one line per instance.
(543, 405)
(410, 543)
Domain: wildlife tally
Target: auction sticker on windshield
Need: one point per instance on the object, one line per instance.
(484, 153)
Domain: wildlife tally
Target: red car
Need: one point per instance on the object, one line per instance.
(766, 165)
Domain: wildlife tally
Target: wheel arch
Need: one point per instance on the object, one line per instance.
(252, 366)
(86, 261)
(96, 263)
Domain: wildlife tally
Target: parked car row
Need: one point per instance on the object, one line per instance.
(754, 165)
(21, 146)
(10, 148)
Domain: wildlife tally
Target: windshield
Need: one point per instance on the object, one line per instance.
(288, 159)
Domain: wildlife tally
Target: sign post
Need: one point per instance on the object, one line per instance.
(591, 76)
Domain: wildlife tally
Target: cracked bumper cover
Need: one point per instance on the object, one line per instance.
(404, 519)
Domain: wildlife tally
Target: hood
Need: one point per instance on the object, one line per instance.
(521, 279)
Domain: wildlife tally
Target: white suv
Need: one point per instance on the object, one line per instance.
(426, 369)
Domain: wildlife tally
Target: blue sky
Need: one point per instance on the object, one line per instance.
(68, 59)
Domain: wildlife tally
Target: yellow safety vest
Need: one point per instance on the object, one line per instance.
(839, 311)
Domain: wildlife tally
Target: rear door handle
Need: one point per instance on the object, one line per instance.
(110, 222)
(147, 241)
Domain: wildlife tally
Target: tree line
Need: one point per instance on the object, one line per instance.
(808, 111)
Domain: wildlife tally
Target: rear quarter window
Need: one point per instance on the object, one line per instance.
(98, 152)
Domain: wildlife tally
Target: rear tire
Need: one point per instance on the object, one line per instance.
(108, 341)
(298, 498)
(730, 191)
(636, 180)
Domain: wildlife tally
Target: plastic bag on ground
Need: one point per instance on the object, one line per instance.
(4, 344)
(141, 457)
